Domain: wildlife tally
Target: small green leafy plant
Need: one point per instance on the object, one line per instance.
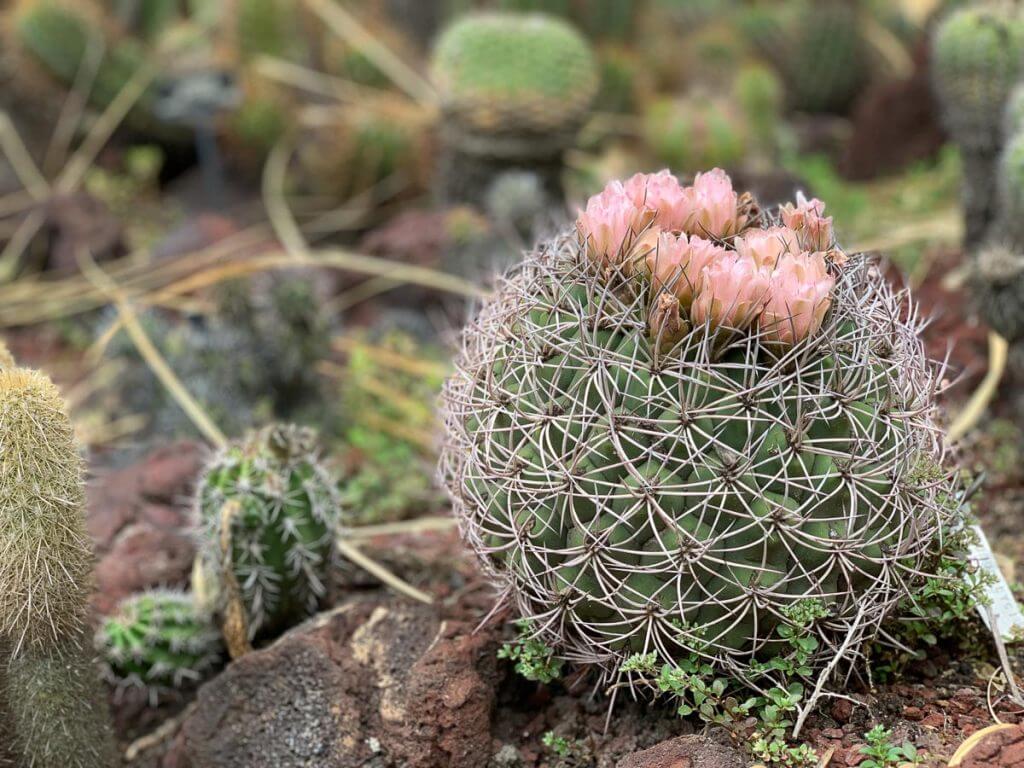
(533, 659)
(882, 753)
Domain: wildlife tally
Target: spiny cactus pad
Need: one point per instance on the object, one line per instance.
(506, 73)
(46, 567)
(683, 494)
(159, 641)
(279, 527)
(978, 58)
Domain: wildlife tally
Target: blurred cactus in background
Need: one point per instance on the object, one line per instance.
(57, 713)
(514, 91)
(695, 132)
(269, 513)
(818, 49)
(159, 641)
(998, 283)
(978, 58)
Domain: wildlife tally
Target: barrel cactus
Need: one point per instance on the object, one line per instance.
(514, 88)
(269, 512)
(669, 429)
(158, 641)
(978, 58)
(695, 132)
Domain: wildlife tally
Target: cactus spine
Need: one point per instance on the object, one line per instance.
(269, 512)
(52, 691)
(978, 57)
(159, 641)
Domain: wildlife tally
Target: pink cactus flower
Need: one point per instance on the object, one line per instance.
(800, 295)
(732, 292)
(676, 261)
(662, 193)
(711, 205)
(808, 219)
(766, 246)
(610, 224)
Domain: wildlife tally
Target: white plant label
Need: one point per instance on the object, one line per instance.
(1009, 621)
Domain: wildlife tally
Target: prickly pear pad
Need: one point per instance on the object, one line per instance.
(634, 497)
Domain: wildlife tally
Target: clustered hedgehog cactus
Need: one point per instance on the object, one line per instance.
(270, 513)
(514, 90)
(51, 690)
(670, 429)
(978, 58)
(158, 641)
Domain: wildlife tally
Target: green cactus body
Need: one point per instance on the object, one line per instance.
(817, 48)
(760, 94)
(266, 28)
(694, 133)
(52, 692)
(515, 74)
(633, 499)
(281, 528)
(159, 641)
(59, 715)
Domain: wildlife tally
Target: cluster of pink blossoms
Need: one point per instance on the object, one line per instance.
(695, 244)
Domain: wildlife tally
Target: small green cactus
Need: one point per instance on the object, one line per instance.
(269, 513)
(159, 641)
(504, 73)
(817, 48)
(998, 284)
(46, 572)
(694, 133)
(978, 58)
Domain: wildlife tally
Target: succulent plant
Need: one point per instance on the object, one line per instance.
(817, 48)
(760, 94)
(978, 58)
(46, 572)
(515, 89)
(159, 641)
(670, 428)
(269, 513)
(695, 133)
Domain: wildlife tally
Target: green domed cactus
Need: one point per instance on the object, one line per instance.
(817, 48)
(644, 467)
(978, 58)
(46, 572)
(512, 74)
(269, 500)
(159, 641)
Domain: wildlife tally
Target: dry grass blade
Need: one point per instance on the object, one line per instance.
(150, 353)
(21, 161)
(976, 406)
(378, 571)
(345, 26)
(419, 525)
(389, 358)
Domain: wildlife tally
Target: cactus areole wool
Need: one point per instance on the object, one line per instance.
(689, 426)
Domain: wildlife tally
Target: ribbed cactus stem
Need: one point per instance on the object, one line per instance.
(46, 569)
(58, 717)
(269, 512)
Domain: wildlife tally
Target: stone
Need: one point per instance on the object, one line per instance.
(685, 752)
(139, 519)
(1003, 748)
(390, 682)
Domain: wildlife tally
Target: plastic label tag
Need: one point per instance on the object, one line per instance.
(1009, 620)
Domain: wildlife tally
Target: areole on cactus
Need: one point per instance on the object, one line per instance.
(668, 429)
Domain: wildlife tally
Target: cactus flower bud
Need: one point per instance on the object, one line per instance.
(662, 193)
(801, 293)
(676, 261)
(766, 246)
(808, 219)
(712, 205)
(665, 323)
(610, 224)
(731, 293)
